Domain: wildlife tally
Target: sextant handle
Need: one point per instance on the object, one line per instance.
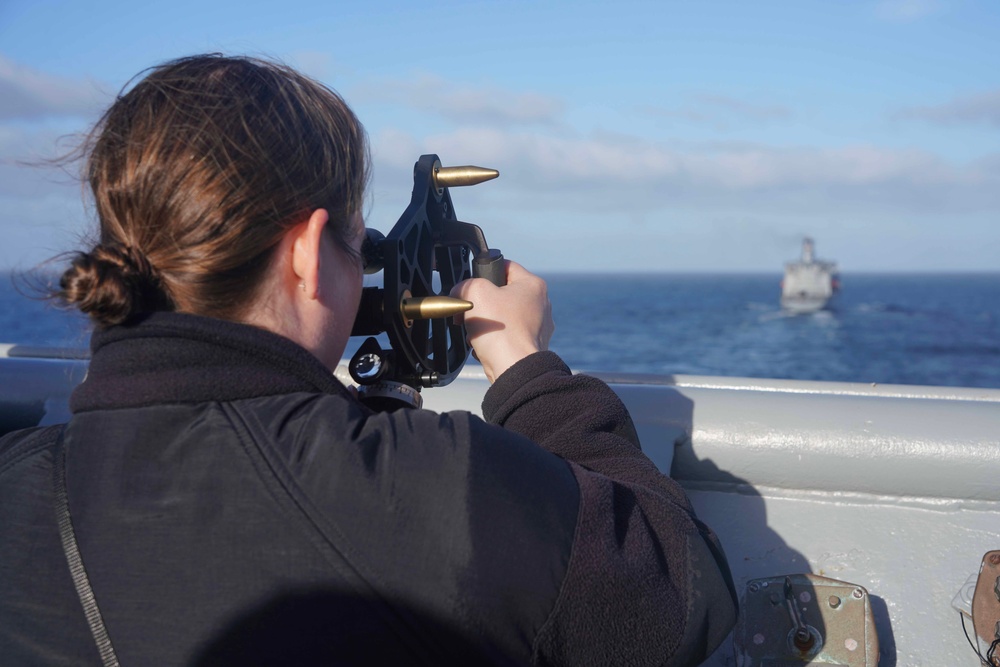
(490, 265)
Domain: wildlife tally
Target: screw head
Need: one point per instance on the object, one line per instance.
(858, 593)
(754, 587)
(803, 639)
(834, 601)
(994, 559)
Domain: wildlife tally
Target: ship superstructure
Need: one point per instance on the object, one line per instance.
(809, 283)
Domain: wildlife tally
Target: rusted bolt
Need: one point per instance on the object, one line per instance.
(803, 639)
(858, 593)
(994, 559)
(834, 601)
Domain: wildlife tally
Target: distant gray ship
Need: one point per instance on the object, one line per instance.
(810, 283)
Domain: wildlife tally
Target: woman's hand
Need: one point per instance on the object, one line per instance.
(506, 324)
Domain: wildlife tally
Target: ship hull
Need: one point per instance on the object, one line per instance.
(804, 305)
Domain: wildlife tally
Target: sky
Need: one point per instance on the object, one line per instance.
(669, 135)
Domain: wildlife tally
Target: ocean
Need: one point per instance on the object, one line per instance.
(919, 329)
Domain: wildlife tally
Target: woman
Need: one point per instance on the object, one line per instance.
(233, 503)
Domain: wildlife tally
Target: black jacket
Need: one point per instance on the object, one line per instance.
(234, 504)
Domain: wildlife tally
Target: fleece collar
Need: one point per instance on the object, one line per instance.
(180, 358)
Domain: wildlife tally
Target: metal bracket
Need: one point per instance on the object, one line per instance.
(799, 619)
(986, 602)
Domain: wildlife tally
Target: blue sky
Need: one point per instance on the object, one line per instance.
(630, 136)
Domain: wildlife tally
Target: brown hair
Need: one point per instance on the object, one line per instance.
(197, 172)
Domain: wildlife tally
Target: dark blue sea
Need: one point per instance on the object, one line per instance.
(896, 329)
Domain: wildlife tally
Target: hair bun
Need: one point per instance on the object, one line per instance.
(112, 284)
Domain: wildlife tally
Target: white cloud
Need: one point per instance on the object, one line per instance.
(29, 94)
(37, 229)
(618, 161)
(41, 205)
(480, 105)
(558, 185)
(980, 108)
(608, 189)
(623, 202)
(25, 170)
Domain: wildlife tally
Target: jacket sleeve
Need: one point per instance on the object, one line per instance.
(647, 582)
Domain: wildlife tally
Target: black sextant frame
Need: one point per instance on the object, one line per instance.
(423, 257)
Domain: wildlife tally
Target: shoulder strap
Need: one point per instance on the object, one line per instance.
(72, 551)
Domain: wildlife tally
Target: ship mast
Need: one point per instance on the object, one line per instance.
(807, 250)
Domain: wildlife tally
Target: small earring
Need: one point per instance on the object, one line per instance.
(302, 286)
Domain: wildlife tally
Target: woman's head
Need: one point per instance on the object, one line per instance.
(197, 172)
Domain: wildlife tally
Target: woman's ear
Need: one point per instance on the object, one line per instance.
(306, 252)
